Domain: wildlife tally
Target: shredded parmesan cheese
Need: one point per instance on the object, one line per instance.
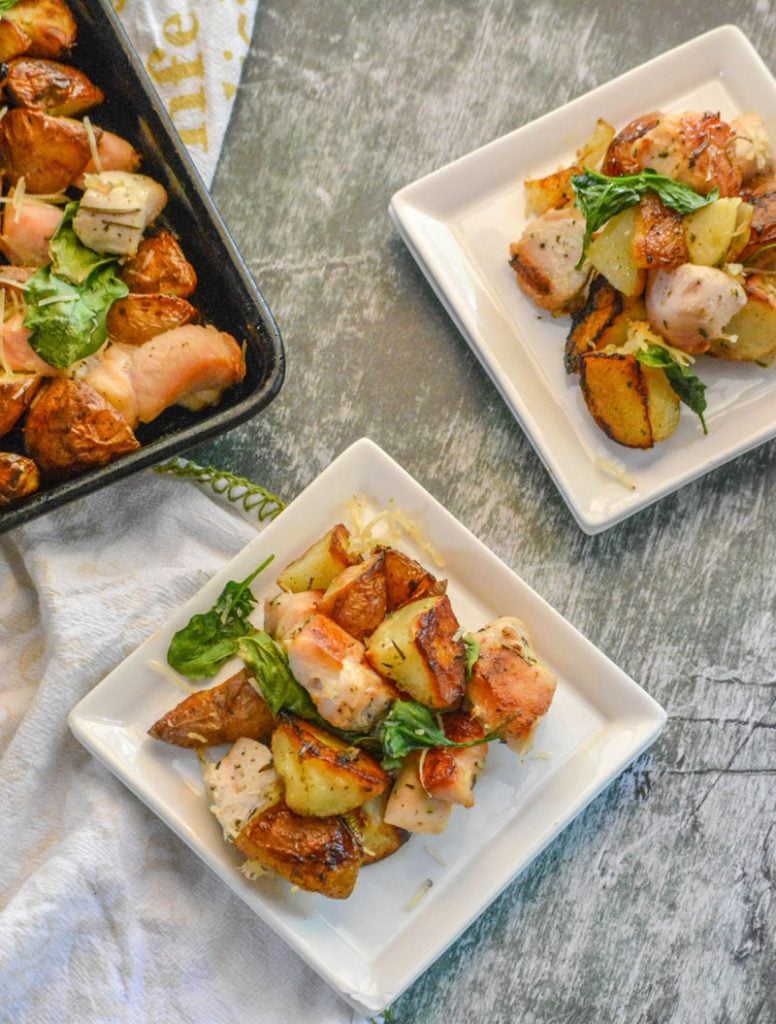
(12, 284)
(616, 471)
(421, 763)
(171, 675)
(253, 869)
(385, 527)
(93, 145)
(641, 335)
(437, 857)
(3, 361)
(57, 298)
(17, 197)
(197, 736)
(3, 112)
(422, 891)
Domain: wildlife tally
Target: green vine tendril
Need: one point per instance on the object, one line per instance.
(236, 489)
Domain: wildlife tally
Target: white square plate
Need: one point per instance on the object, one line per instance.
(458, 223)
(371, 946)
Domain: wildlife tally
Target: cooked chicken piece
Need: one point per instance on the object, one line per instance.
(113, 154)
(18, 354)
(19, 477)
(695, 148)
(449, 773)
(285, 612)
(70, 429)
(13, 279)
(136, 319)
(48, 23)
(190, 366)
(761, 193)
(241, 784)
(658, 240)
(48, 152)
(753, 147)
(160, 266)
(690, 305)
(13, 41)
(330, 665)
(27, 229)
(221, 714)
(509, 688)
(51, 87)
(115, 210)
(16, 393)
(545, 258)
(410, 807)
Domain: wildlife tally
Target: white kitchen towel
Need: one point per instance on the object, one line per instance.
(106, 917)
(194, 51)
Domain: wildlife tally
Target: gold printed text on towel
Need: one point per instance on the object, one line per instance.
(183, 69)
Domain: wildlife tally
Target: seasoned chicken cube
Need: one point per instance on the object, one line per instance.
(509, 688)
(449, 773)
(545, 260)
(241, 784)
(752, 147)
(28, 225)
(286, 612)
(18, 354)
(410, 807)
(115, 210)
(690, 306)
(16, 393)
(330, 665)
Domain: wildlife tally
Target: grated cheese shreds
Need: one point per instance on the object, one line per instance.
(384, 527)
(17, 197)
(253, 869)
(3, 112)
(4, 282)
(93, 145)
(640, 335)
(170, 674)
(422, 891)
(421, 762)
(3, 361)
(437, 856)
(616, 471)
(57, 298)
(197, 736)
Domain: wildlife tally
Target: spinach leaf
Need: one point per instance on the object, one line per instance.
(601, 197)
(472, 653)
(411, 726)
(689, 387)
(70, 258)
(267, 660)
(69, 321)
(6, 5)
(211, 638)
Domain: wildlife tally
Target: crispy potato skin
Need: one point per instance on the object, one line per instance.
(754, 326)
(221, 714)
(159, 266)
(48, 152)
(138, 318)
(551, 192)
(659, 237)
(449, 773)
(356, 599)
(13, 41)
(15, 397)
(406, 580)
(48, 23)
(761, 194)
(445, 656)
(317, 854)
(378, 839)
(603, 321)
(70, 429)
(19, 477)
(319, 564)
(52, 87)
(615, 393)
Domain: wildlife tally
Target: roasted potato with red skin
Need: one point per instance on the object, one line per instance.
(136, 319)
(160, 266)
(70, 429)
(48, 23)
(319, 564)
(221, 714)
(54, 88)
(418, 647)
(406, 580)
(16, 393)
(322, 774)
(449, 773)
(378, 839)
(13, 41)
(317, 854)
(19, 477)
(753, 327)
(658, 240)
(356, 598)
(48, 152)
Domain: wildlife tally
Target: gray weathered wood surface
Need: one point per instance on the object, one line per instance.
(657, 904)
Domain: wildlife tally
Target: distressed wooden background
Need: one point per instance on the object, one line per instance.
(657, 904)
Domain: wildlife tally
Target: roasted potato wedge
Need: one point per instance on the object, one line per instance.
(54, 88)
(410, 807)
(356, 598)
(592, 152)
(159, 266)
(318, 566)
(19, 477)
(713, 231)
(603, 322)
(322, 775)
(16, 393)
(48, 152)
(317, 854)
(449, 773)
(550, 192)
(221, 714)
(418, 648)
(659, 235)
(633, 404)
(760, 193)
(406, 580)
(49, 25)
(138, 318)
(70, 429)
(13, 41)
(753, 327)
(611, 252)
(378, 839)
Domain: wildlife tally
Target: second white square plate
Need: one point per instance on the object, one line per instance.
(458, 223)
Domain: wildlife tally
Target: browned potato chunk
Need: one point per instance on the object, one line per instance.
(658, 240)
(633, 404)
(603, 321)
(449, 773)
(16, 393)
(48, 23)
(419, 649)
(356, 598)
(406, 580)
(138, 318)
(19, 477)
(221, 714)
(550, 192)
(410, 807)
(48, 152)
(761, 194)
(754, 326)
(317, 854)
(13, 41)
(612, 253)
(378, 839)
(317, 567)
(322, 775)
(159, 266)
(70, 429)
(51, 87)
